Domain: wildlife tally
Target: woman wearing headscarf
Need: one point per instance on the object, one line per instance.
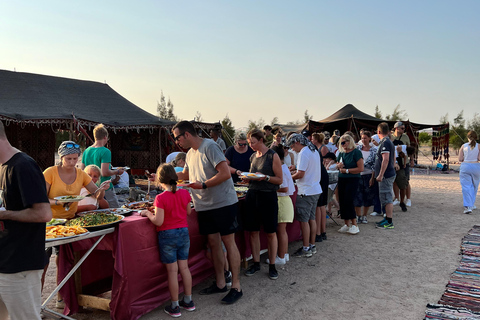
(469, 158)
(238, 156)
(350, 164)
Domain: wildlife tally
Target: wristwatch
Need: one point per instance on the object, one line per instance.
(346, 171)
(204, 186)
(267, 178)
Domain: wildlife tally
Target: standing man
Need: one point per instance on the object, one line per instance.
(215, 201)
(267, 132)
(215, 135)
(23, 215)
(399, 134)
(385, 174)
(308, 183)
(100, 156)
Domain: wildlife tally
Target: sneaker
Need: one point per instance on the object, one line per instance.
(313, 248)
(474, 208)
(278, 260)
(364, 220)
(387, 226)
(174, 312)
(318, 238)
(344, 229)
(409, 203)
(359, 219)
(187, 306)
(232, 296)
(403, 206)
(273, 274)
(324, 236)
(396, 202)
(213, 289)
(467, 211)
(287, 257)
(228, 278)
(60, 304)
(252, 270)
(353, 229)
(375, 214)
(381, 223)
(303, 253)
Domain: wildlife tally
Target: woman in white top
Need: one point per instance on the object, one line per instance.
(469, 158)
(367, 189)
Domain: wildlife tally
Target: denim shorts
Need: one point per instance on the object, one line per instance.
(173, 244)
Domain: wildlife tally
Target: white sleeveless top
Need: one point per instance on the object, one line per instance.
(469, 154)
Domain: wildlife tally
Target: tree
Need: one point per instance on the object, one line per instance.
(474, 124)
(397, 114)
(444, 119)
(228, 129)
(198, 117)
(307, 117)
(170, 115)
(164, 109)
(459, 121)
(458, 133)
(256, 125)
(378, 114)
(274, 121)
(424, 138)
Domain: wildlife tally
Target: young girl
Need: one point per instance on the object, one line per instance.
(170, 217)
(96, 201)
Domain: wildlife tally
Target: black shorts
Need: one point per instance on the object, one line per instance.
(322, 201)
(221, 220)
(261, 209)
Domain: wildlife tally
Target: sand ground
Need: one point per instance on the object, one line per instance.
(376, 274)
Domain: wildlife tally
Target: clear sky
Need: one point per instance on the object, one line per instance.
(257, 59)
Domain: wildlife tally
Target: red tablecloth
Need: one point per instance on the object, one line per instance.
(130, 257)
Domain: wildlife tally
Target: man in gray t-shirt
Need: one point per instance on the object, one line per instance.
(215, 201)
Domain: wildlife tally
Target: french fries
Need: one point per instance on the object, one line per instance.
(55, 232)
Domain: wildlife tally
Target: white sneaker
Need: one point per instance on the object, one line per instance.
(474, 208)
(287, 257)
(343, 229)
(278, 260)
(467, 210)
(375, 214)
(396, 202)
(408, 203)
(353, 229)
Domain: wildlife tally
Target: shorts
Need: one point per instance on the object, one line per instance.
(285, 209)
(385, 190)
(323, 199)
(173, 245)
(365, 193)
(407, 172)
(261, 209)
(401, 180)
(221, 220)
(306, 207)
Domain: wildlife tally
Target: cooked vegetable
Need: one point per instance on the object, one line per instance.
(93, 219)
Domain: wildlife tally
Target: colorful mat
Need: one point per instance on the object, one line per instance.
(461, 299)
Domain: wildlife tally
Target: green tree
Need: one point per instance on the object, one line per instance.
(228, 130)
(274, 121)
(170, 114)
(198, 117)
(377, 114)
(307, 117)
(424, 138)
(474, 124)
(162, 112)
(458, 132)
(444, 119)
(256, 125)
(397, 114)
(459, 121)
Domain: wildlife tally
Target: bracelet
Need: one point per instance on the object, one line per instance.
(56, 202)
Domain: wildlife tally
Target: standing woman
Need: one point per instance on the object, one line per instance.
(368, 186)
(321, 211)
(238, 156)
(261, 203)
(469, 157)
(350, 164)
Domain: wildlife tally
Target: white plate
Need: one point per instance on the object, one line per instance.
(255, 176)
(76, 199)
(56, 222)
(124, 168)
(62, 238)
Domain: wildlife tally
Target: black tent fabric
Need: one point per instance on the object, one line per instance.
(35, 98)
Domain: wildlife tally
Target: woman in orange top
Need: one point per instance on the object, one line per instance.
(67, 180)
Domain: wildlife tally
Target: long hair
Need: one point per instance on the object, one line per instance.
(178, 157)
(166, 174)
(472, 136)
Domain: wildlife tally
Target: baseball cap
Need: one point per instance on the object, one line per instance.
(398, 124)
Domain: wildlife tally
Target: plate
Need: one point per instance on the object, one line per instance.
(184, 184)
(124, 168)
(101, 226)
(120, 211)
(63, 238)
(55, 222)
(252, 176)
(69, 198)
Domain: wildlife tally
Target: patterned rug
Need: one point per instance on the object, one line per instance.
(461, 299)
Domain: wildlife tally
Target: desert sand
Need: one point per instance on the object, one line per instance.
(376, 274)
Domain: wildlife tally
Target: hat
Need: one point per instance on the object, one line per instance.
(306, 133)
(68, 147)
(398, 124)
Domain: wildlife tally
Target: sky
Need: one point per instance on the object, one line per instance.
(256, 60)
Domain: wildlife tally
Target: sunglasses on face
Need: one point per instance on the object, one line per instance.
(72, 145)
(242, 144)
(343, 142)
(178, 137)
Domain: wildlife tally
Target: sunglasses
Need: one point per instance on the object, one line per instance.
(72, 145)
(178, 137)
(242, 144)
(343, 142)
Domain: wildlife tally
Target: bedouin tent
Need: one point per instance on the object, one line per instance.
(35, 107)
(351, 119)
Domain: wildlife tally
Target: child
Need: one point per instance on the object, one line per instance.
(96, 201)
(285, 208)
(170, 217)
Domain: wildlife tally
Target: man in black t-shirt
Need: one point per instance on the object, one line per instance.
(385, 174)
(24, 209)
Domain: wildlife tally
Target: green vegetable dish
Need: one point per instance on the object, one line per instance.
(93, 219)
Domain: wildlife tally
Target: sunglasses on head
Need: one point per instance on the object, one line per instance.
(178, 137)
(242, 144)
(72, 145)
